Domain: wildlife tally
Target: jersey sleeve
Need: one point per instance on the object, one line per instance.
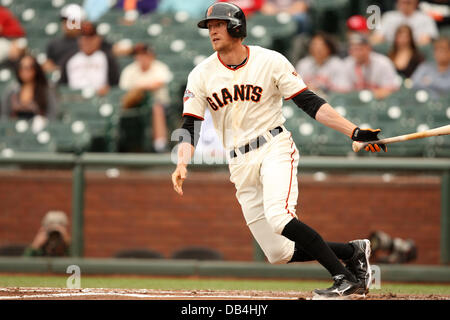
(286, 78)
(194, 99)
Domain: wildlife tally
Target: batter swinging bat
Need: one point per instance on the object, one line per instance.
(356, 146)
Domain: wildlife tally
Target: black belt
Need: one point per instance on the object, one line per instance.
(256, 143)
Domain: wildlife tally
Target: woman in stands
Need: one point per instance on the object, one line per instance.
(322, 68)
(404, 53)
(30, 95)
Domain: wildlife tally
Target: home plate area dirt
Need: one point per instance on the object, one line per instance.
(21, 293)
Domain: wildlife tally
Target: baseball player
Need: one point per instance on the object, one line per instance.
(243, 88)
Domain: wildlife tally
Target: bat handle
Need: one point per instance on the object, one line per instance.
(356, 145)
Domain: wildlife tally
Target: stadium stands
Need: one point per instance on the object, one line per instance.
(92, 123)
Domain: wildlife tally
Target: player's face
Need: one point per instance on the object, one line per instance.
(218, 35)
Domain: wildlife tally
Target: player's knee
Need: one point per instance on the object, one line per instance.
(279, 256)
(278, 222)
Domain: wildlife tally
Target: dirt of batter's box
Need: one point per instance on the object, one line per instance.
(16, 293)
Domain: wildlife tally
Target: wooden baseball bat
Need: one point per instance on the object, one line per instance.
(356, 146)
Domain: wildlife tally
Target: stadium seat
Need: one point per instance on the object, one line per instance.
(112, 16)
(441, 146)
(382, 48)
(279, 26)
(356, 98)
(100, 117)
(445, 31)
(428, 52)
(29, 142)
(124, 61)
(70, 137)
(333, 143)
(16, 7)
(306, 134)
(134, 129)
(37, 44)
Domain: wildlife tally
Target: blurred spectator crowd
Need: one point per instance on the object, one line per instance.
(108, 76)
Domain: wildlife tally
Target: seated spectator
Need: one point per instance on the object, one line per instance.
(9, 25)
(90, 66)
(52, 239)
(150, 75)
(435, 76)
(30, 95)
(424, 27)
(298, 9)
(248, 6)
(10, 30)
(368, 70)
(57, 49)
(354, 24)
(404, 53)
(321, 70)
(195, 8)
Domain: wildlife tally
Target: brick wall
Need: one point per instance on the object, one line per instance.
(140, 210)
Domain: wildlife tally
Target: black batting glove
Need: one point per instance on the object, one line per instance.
(364, 135)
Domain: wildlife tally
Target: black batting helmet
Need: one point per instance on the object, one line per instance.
(237, 26)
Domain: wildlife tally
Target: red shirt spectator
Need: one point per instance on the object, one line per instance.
(9, 26)
(248, 6)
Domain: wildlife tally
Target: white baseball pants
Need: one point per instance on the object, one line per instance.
(267, 190)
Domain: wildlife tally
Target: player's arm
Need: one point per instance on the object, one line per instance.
(329, 117)
(185, 153)
(320, 110)
(186, 150)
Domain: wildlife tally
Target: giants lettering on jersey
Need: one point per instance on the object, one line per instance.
(243, 92)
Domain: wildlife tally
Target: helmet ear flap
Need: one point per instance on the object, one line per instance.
(233, 28)
(236, 29)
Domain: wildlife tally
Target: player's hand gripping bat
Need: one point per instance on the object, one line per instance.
(440, 131)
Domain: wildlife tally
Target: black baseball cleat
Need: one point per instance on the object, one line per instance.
(342, 287)
(359, 264)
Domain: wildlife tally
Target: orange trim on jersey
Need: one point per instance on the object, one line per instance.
(193, 115)
(290, 183)
(296, 94)
(224, 64)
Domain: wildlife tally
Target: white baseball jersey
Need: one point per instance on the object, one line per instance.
(246, 101)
